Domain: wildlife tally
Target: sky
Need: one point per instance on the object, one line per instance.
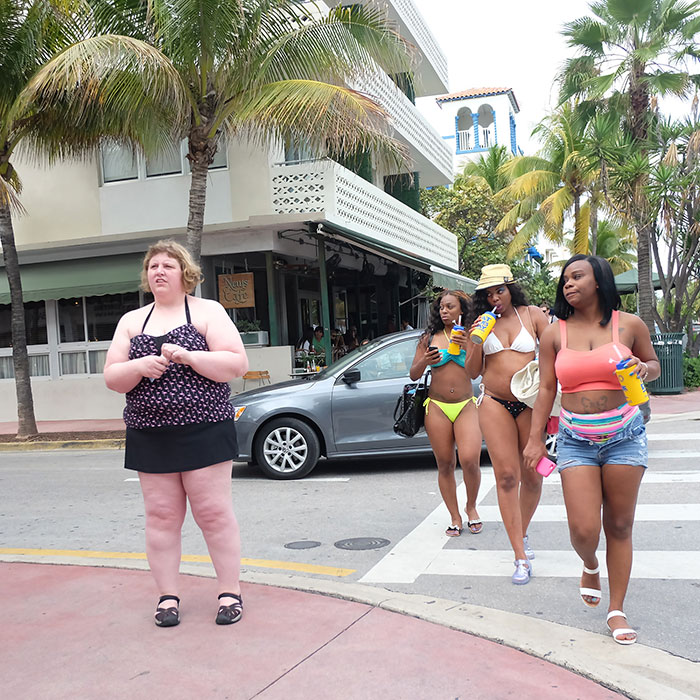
(504, 43)
(510, 43)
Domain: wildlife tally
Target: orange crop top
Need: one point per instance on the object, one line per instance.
(586, 370)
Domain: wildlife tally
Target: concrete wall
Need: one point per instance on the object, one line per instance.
(61, 202)
(74, 398)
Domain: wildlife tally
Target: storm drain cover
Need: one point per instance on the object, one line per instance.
(303, 544)
(362, 543)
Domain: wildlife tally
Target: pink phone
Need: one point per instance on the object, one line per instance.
(545, 466)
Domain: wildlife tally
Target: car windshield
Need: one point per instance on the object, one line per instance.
(349, 359)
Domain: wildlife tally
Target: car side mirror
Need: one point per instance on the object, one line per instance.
(351, 377)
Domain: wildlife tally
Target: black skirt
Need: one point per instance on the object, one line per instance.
(180, 448)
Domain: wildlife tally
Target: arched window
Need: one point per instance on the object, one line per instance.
(487, 126)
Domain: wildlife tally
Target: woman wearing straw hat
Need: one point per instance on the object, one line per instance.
(505, 421)
(450, 410)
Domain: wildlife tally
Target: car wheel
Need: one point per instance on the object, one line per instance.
(286, 448)
(551, 444)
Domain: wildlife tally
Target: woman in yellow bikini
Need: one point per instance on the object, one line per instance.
(450, 410)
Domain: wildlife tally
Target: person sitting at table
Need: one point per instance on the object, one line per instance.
(305, 343)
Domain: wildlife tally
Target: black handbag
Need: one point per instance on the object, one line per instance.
(409, 414)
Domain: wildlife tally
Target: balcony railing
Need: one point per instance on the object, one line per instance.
(340, 197)
(431, 153)
(464, 140)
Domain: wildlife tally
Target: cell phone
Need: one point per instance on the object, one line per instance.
(432, 347)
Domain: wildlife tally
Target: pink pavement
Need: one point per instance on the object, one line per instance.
(83, 632)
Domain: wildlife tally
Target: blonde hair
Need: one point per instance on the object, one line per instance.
(191, 272)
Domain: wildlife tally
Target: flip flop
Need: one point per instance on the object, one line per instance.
(453, 531)
(475, 526)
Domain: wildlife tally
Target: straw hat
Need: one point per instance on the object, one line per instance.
(491, 275)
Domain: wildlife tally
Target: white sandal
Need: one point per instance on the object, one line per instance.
(590, 592)
(621, 630)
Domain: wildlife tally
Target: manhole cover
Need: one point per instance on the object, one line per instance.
(362, 543)
(304, 544)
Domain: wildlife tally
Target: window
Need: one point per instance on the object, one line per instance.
(34, 322)
(88, 320)
(169, 162)
(220, 159)
(389, 363)
(118, 163)
(38, 366)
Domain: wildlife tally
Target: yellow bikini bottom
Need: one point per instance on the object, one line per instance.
(451, 410)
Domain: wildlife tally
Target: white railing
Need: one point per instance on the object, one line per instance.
(408, 12)
(345, 199)
(486, 138)
(411, 125)
(464, 140)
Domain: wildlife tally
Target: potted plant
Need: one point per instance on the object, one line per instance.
(251, 334)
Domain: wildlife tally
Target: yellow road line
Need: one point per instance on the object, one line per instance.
(196, 558)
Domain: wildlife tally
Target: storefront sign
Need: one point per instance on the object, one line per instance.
(236, 291)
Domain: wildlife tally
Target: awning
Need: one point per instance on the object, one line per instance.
(627, 282)
(65, 279)
(451, 280)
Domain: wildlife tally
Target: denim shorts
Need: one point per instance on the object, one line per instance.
(629, 446)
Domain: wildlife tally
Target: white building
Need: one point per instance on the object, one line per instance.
(324, 244)
(471, 121)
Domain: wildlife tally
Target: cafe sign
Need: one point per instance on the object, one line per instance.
(236, 291)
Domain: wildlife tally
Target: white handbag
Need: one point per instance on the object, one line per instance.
(525, 386)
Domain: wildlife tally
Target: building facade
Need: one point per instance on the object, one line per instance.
(471, 121)
(310, 241)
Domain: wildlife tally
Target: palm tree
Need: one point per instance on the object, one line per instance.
(629, 52)
(267, 71)
(58, 99)
(488, 169)
(548, 186)
(616, 243)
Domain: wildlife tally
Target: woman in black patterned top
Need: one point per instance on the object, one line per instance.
(173, 360)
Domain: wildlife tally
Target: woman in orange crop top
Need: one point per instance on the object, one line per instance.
(602, 446)
(505, 421)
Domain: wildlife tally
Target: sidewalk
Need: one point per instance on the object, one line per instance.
(87, 631)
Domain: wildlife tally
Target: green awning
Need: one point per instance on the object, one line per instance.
(451, 280)
(87, 277)
(626, 282)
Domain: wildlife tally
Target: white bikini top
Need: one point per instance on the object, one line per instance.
(523, 342)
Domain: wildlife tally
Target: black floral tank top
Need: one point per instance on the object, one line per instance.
(180, 396)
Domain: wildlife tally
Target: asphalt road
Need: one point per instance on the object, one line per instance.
(69, 500)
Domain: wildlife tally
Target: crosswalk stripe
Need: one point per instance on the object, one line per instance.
(645, 512)
(673, 436)
(675, 565)
(673, 454)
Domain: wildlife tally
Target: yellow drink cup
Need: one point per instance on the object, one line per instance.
(487, 321)
(453, 348)
(632, 386)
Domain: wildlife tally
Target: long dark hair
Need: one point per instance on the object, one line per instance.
(435, 324)
(608, 297)
(481, 304)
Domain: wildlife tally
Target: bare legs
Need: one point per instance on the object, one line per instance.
(443, 435)
(615, 487)
(518, 490)
(209, 492)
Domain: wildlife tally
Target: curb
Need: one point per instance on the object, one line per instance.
(39, 445)
(638, 672)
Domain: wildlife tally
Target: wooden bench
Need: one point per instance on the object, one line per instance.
(260, 376)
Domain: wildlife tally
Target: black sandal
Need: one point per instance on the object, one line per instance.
(167, 617)
(228, 614)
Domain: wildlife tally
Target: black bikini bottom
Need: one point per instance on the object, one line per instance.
(515, 408)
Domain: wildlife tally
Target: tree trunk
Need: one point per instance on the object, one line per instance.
(646, 288)
(20, 359)
(594, 225)
(201, 152)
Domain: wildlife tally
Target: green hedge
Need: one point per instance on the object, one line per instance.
(691, 371)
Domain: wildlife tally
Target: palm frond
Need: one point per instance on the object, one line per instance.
(320, 115)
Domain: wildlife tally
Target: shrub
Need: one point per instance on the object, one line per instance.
(691, 371)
